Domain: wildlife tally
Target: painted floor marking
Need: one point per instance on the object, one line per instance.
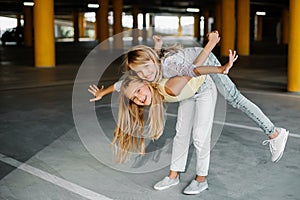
(86, 193)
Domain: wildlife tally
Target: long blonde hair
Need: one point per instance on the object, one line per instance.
(140, 54)
(129, 135)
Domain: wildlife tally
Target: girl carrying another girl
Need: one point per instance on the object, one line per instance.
(146, 64)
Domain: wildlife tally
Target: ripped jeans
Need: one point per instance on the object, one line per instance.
(233, 96)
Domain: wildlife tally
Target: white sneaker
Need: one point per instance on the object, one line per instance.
(277, 144)
(195, 187)
(166, 183)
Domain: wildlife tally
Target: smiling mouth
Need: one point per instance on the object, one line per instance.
(144, 100)
(149, 77)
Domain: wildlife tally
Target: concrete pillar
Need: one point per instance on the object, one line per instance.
(135, 31)
(217, 16)
(197, 26)
(28, 26)
(152, 24)
(102, 21)
(179, 26)
(243, 27)
(145, 27)
(206, 22)
(117, 26)
(44, 44)
(228, 26)
(294, 48)
(75, 25)
(258, 27)
(82, 24)
(285, 26)
(19, 20)
(96, 36)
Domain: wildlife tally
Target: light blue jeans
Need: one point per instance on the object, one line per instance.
(233, 96)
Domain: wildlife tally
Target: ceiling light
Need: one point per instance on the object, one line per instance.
(193, 10)
(260, 13)
(93, 5)
(28, 3)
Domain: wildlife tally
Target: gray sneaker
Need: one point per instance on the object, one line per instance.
(195, 187)
(166, 183)
(277, 144)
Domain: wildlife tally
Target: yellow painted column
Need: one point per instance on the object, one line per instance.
(82, 24)
(217, 16)
(243, 27)
(135, 31)
(102, 20)
(117, 26)
(285, 26)
(294, 48)
(96, 26)
(28, 26)
(44, 44)
(179, 26)
(228, 26)
(206, 22)
(258, 27)
(197, 26)
(75, 25)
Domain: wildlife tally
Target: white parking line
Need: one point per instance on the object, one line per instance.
(291, 94)
(239, 126)
(86, 193)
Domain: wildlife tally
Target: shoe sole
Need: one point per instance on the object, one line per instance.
(166, 187)
(281, 154)
(198, 192)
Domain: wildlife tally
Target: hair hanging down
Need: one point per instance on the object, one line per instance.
(129, 135)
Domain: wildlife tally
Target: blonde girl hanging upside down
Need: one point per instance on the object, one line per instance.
(129, 135)
(153, 65)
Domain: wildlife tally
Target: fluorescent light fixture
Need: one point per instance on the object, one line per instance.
(193, 10)
(93, 5)
(28, 3)
(260, 13)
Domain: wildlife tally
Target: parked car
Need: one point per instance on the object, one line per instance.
(13, 35)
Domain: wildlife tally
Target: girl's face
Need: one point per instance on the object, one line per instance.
(146, 71)
(139, 93)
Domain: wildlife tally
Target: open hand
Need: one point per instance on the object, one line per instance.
(94, 90)
(232, 58)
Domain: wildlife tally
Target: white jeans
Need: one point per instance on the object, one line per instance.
(195, 114)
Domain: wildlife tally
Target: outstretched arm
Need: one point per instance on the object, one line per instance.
(175, 84)
(100, 92)
(224, 69)
(213, 39)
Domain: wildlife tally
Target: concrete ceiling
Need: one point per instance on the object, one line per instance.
(65, 7)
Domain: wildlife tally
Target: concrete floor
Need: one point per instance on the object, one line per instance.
(52, 146)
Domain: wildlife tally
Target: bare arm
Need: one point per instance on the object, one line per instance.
(224, 69)
(99, 93)
(175, 84)
(213, 39)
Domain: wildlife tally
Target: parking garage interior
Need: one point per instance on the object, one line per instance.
(49, 129)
